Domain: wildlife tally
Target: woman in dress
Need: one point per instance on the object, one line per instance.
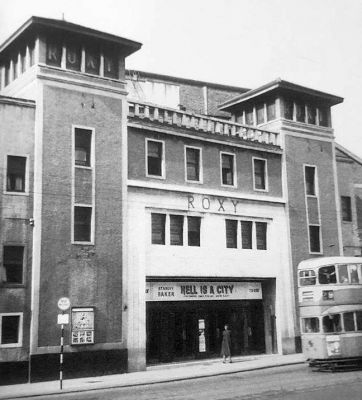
(226, 345)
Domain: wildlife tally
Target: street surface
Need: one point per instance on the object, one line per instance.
(295, 382)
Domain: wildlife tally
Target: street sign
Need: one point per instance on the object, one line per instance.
(63, 319)
(63, 303)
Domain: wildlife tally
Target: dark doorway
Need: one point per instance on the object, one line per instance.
(173, 329)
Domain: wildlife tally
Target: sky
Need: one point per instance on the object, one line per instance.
(247, 43)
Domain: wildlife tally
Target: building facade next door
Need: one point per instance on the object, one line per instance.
(182, 330)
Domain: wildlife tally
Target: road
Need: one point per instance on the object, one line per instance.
(295, 382)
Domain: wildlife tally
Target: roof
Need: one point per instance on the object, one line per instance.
(130, 46)
(342, 309)
(161, 77)
(280, 84)
(320, 261)
(349, 153)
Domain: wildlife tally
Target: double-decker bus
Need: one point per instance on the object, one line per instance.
(330, 305)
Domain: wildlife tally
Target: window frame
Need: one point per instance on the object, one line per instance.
(19, 343)
(92, 225)
(26, 174)
(316, 185)
(200, 181)
(92, 150)
(349, 208)
(23, 274)
(234, 184)
(320, 240)
(266, 180)
(163, 157)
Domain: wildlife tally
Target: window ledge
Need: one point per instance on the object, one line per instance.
(83, 167)
(155, 176)
(10, 345)
(16, 193)
(5, 285)
(83, 243)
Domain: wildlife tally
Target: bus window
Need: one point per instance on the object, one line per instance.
(327, 275)
(342, 274)
(359, 320)
(310, 325)
(332, 323)
(307, 278)
(353, 270)
(348, 320)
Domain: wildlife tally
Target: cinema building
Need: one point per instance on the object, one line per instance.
(162, 207)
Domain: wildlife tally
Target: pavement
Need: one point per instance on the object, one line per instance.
(154, 374)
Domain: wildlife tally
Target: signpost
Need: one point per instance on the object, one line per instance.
(63, 305)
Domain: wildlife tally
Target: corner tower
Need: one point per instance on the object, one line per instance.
(76, 77)
(302, 116)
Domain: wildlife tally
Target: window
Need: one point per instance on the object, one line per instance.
(260, 235)
(332, 323)
(10, 330)
(327, 275)
(193, 231)
(307, 278)
(343, 274)
(193, 164)
(16, 167)
(154, 158)
(246, 234)
(12, 269)
(231, 233)
(311, 114)
(260, 119)
(314, 239)
(82, 224)
(249, 116)
(54, 53)
(176, 230)
(310, 325)
(323, 116)
(346, 208)
(73, 56)
(288, 109)
(348, 321)
(92, 61)
(359, 320)
(158, 228)
(270, 110)
(110, 69)
(227, 169)
(300, 112)
(259, 167)
(82, 146)
(309, 176)
(348, 273)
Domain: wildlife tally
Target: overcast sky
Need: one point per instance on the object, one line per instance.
(316, 43)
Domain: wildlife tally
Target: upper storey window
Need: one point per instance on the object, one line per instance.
(193, 164)
(82, 147)
(71, 54)
(155, 157)
(54, 53)
(308, 113)
(16, 171)
(310, 180)
(227, 169)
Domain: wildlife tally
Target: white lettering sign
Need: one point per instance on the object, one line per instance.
(180, 291)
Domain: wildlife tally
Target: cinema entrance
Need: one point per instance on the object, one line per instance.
(184, 321)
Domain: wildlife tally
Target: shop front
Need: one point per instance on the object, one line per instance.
(185, 320)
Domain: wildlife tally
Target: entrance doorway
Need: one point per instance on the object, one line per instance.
(173, 329)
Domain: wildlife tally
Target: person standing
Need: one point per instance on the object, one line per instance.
(226, 345)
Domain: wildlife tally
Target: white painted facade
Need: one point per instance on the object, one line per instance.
(212, 260)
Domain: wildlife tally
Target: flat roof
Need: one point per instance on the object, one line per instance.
(35, 22)
(196, 82)
(280, 84)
